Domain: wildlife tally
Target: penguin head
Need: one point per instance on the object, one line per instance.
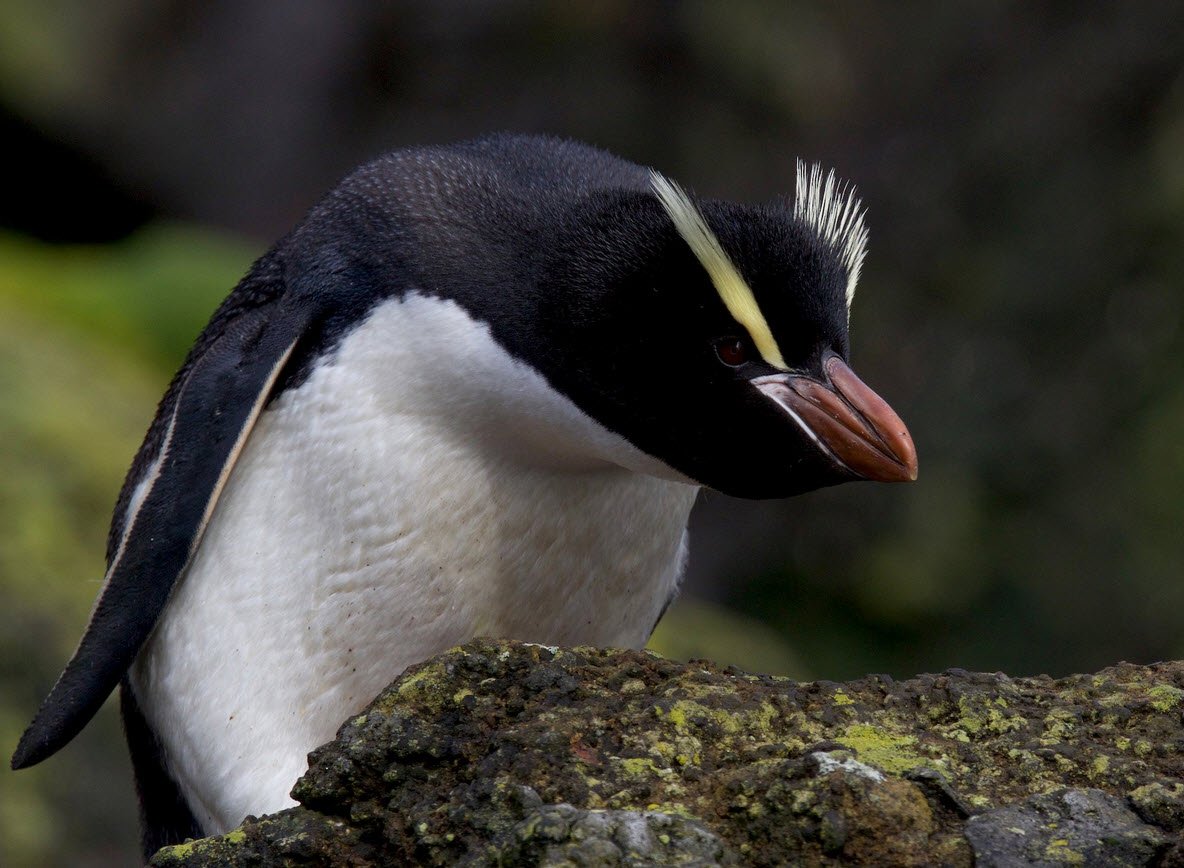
(709, 335)
(714, 336)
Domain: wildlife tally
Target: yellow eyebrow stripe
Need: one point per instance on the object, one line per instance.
(736, 294)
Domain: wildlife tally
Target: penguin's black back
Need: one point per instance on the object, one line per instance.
(443, 219)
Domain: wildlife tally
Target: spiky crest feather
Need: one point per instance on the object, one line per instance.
(831, 208)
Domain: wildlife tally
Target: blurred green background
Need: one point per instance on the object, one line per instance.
(1023, 166)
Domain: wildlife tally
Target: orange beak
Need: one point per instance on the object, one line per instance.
(849, 422)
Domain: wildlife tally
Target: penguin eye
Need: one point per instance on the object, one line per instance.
(732, 351)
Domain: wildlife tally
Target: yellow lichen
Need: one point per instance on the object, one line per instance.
(1058, 850)
(416, 682)
(189, 848)
(177, 851)
(641, 767)
(1059, 725)
(1165, 697)
(1064, 764)
(884, 750)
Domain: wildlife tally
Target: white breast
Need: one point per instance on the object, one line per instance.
(418, 490)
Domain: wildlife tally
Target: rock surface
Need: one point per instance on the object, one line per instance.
(513, 754)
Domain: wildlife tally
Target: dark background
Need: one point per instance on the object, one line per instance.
(1021, 307)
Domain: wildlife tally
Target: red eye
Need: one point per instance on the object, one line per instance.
(733, 352)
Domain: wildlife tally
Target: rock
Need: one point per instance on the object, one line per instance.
(514, 754)
(565, 835)
(1161, 805)
(1076, 827)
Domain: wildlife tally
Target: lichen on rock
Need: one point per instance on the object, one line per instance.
(500, 753)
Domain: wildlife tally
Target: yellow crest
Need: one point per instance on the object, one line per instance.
(733, 290)
(831, 208)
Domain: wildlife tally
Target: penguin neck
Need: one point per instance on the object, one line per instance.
(458, 383)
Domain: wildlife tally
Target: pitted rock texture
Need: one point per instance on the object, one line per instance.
(513, 754)
(1082, 827)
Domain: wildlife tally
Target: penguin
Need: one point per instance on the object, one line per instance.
(475, 392)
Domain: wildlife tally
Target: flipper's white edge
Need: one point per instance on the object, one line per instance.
(215, 411)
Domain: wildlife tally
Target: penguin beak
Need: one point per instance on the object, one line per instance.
(847, 421)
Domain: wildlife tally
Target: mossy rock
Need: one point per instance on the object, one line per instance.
(515, 754)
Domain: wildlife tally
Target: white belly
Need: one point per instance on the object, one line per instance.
(374, 520)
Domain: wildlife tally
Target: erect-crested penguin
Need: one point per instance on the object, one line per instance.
(474, 392)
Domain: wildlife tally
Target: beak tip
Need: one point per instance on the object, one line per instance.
(902, 471)
(906, 454)
(910, 459)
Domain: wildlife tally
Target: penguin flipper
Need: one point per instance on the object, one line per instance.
(217, 405)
